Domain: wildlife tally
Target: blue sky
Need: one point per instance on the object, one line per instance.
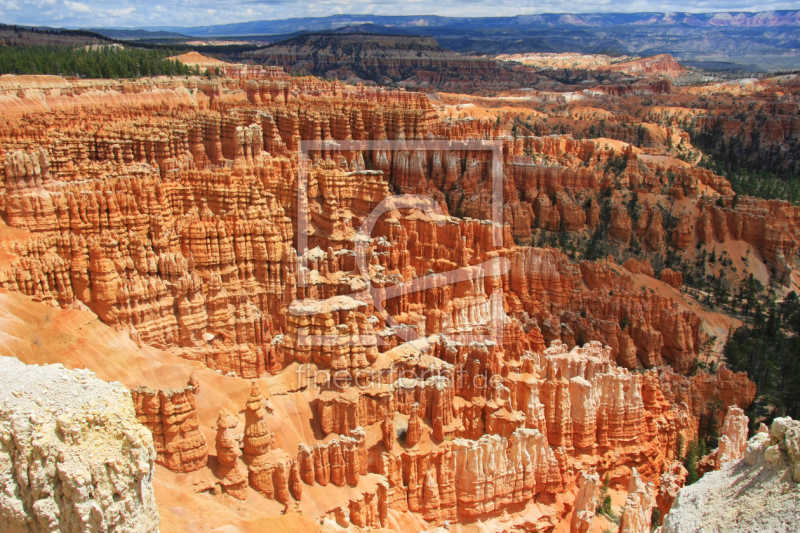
(127, 13)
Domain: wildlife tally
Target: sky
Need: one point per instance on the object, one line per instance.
(188, 13)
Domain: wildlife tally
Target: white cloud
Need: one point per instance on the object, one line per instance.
(120, 12)
(78, 7)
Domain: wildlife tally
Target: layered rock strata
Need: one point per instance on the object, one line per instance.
(171, 416)
(181, 227)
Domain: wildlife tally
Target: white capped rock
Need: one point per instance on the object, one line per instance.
(73, 456)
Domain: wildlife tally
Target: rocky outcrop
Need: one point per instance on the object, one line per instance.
(257, 437)
(673, 480)
(779, 447)
(186, 240)
(414, 430)
(73, 455)
(698, 391)
(369, 510)
(585, 504)
(757, 493)
(341, 461)
(682, 235)
(488, 466)
(672, 278)
(733, 439)
(621, 226)
(234, 478)
(171, 416)
(705, 229)
(637, 513)
(663, 64)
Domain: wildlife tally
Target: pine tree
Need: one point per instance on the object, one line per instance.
(635, 247)
(690, 462)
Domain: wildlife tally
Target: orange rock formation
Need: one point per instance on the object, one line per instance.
(171, 415)
(437, 373)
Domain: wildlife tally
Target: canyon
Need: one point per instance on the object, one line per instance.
(337, 306)
(411, 61)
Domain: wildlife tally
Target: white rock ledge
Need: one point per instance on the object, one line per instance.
(757, 494)
(73, 457)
